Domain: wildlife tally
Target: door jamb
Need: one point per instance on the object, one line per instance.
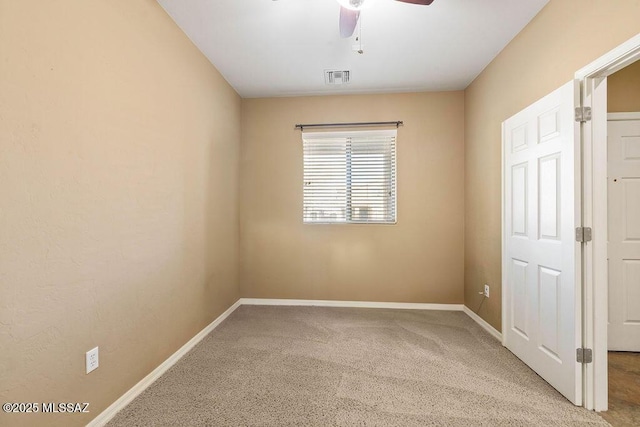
(593, 80)
(503, 240)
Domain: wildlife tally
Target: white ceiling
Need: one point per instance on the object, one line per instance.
(281, 48)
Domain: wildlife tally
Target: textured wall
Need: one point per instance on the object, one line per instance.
(119, 148)
(417, 260)
(565, 36)
(623, 89)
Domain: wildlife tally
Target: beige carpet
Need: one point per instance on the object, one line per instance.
(295, 366)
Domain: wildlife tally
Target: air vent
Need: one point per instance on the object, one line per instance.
(336, 77)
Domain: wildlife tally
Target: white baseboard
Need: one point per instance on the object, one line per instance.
(480, 321)
(106, 415)
(353, 304)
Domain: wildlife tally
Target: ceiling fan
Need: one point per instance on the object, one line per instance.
(350, 12)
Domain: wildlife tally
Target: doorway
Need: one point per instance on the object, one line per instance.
(623, 212)
(543, 156)
(611, 196)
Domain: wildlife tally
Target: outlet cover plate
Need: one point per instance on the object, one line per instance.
(92, 359)
(486, 290)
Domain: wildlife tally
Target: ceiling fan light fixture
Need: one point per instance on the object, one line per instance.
(351, 4)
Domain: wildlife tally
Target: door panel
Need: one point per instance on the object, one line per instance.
(550, 197)
(539, 257)
(631, 286)
(549, 288)
(624, 235)
(631, 203)
(519, 297)
(519, 218)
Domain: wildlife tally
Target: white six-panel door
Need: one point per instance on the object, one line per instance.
(623, 162)
(541, 299)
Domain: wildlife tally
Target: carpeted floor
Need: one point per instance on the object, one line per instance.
(315, 366)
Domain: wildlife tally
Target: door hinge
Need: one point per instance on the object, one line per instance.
(583, 234)
(583, 114)
(584, 355)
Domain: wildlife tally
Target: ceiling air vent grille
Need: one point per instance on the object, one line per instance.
(336, 77)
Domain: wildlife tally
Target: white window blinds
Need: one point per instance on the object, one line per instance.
(349, 177)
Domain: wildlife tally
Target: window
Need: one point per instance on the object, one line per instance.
(350, 177)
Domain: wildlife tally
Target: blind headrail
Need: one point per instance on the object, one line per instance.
(396, 123)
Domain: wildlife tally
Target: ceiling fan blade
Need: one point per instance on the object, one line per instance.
(422, 2)
(348, 21)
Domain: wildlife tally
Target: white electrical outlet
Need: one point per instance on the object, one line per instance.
(486, 290)
(92, 359)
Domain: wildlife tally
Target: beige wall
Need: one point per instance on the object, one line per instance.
(418, 260)
(119, 149)
(565, 36)
(623, 89)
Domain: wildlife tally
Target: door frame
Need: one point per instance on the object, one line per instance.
(593, 88)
